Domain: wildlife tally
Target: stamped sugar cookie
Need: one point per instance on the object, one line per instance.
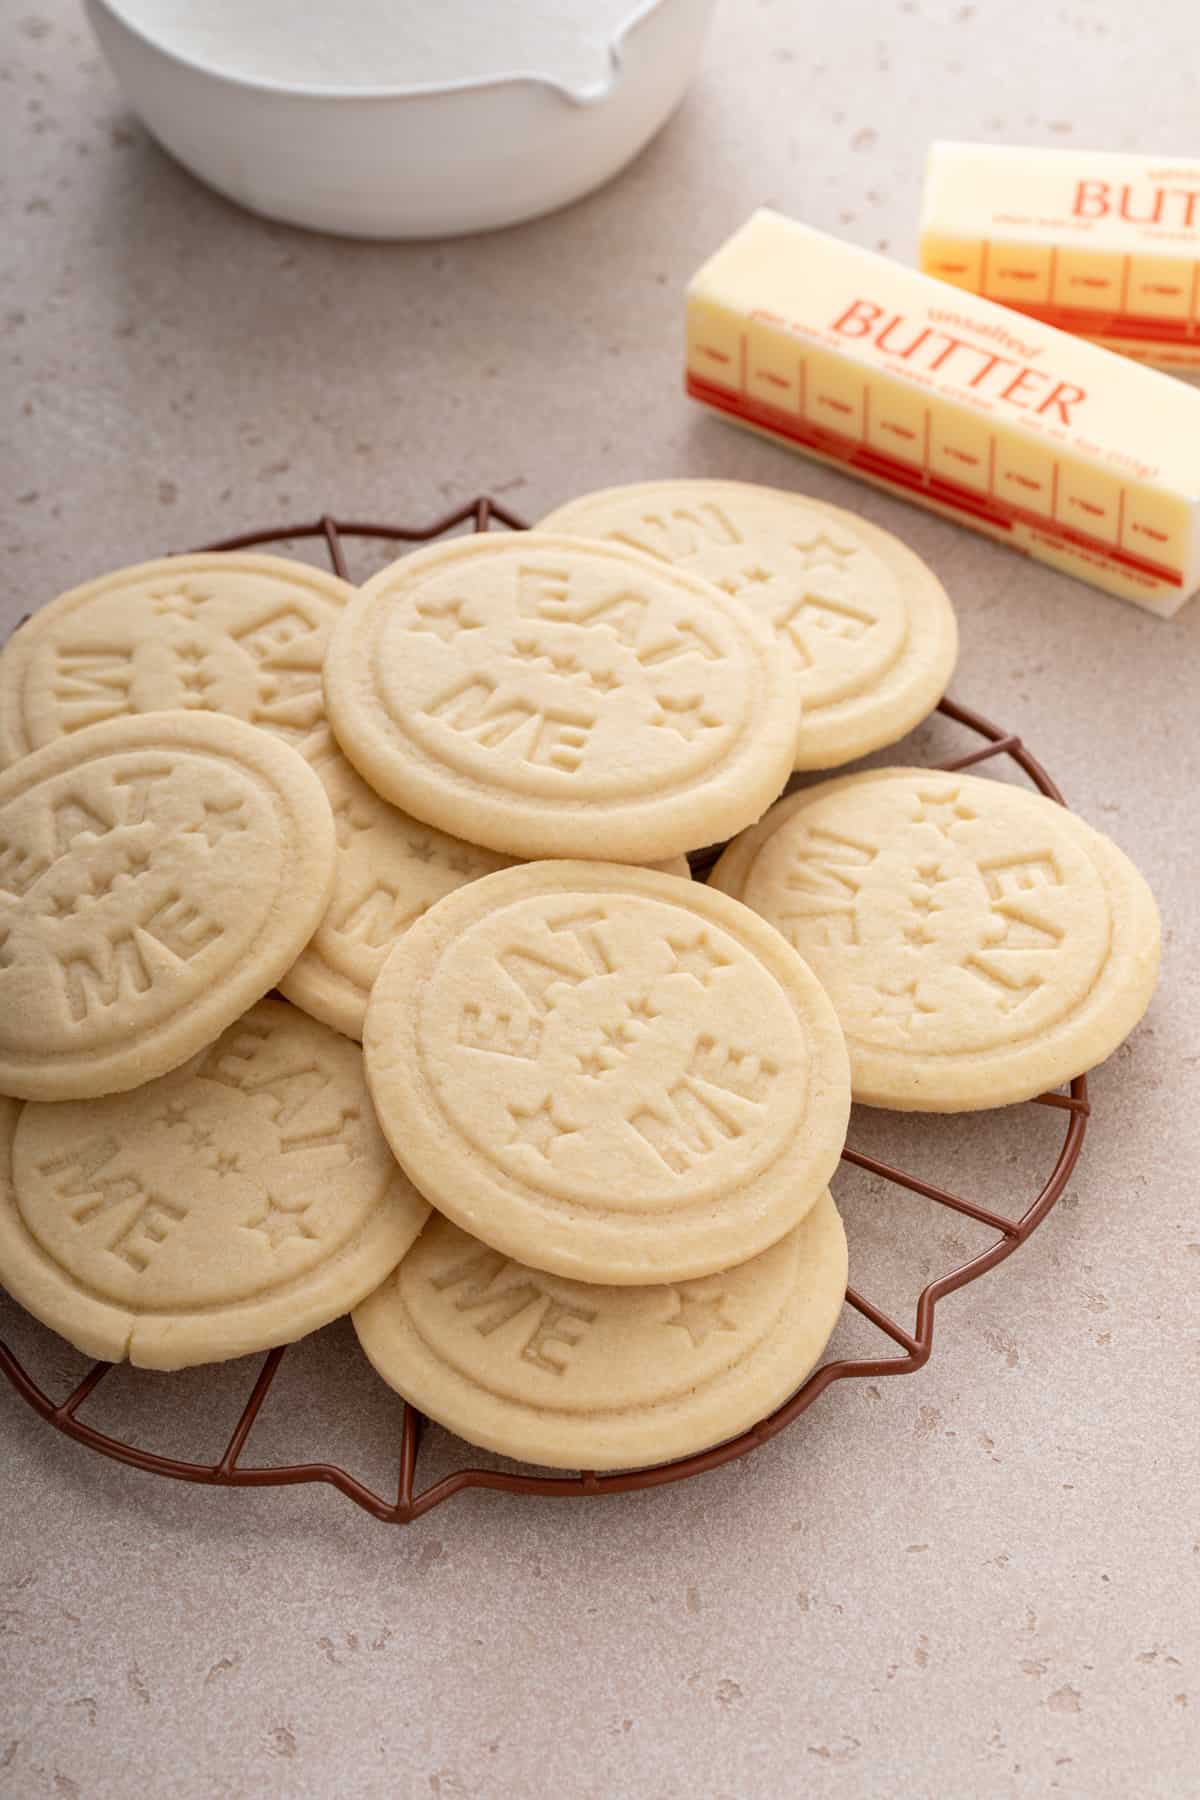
(866, 623)
(980, 943)
(224, 632)
(232, 1205)
(606, 1072)
(157, 876)
(576, 1376)
(389, 870)
(546, 697)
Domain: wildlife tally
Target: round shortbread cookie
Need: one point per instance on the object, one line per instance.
(234, 1204)
(389, 870)
(226, 631)
(547, 697)
(157, 876)
(867, 624)
(573, 1376)
(606, 1072)
(980, 943)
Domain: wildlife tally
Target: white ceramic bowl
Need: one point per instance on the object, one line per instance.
(410, 162)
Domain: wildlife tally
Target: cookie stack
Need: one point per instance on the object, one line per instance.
(446, 817)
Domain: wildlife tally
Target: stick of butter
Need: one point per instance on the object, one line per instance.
(1099, 243)
(1080, 458)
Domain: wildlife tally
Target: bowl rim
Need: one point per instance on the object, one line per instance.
(588, 95)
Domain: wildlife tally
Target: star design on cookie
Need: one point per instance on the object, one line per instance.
(132, 860)
(563, 663)
(420, 849)
(194, 684)
(610, 1043)
(688, 716)
(539, 1129)
(444, 622)
(700, 1317)
(198, 1137)
(930, 875)
(459, 862)
(822, 552)
(224, 1162)
(752, 577)
(348, 820)
(177, 602)
(922, 898)
(902, 1005)
(60, 906)
(217, 821)
(922, 901)
(280, 1223)
(175, 1112)
(698, 959)
(190, 652)
(942, 811)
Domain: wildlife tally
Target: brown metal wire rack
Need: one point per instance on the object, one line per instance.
(409, 1504)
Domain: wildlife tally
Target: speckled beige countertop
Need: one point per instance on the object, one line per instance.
(980, 1580)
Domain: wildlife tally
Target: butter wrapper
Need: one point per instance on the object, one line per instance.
(1099, 243)
(1060, 449)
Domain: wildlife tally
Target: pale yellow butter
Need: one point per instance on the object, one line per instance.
(1100, 243)
(1053, 446)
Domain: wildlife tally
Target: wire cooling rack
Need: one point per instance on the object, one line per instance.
(410, 1502)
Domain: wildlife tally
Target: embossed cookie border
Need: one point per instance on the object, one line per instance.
(562, 1241)
(306, 879)
(633, 1437)
(837, 731)
(181, 1336)
(650, 826)
(952, 1081)
(23, 646)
